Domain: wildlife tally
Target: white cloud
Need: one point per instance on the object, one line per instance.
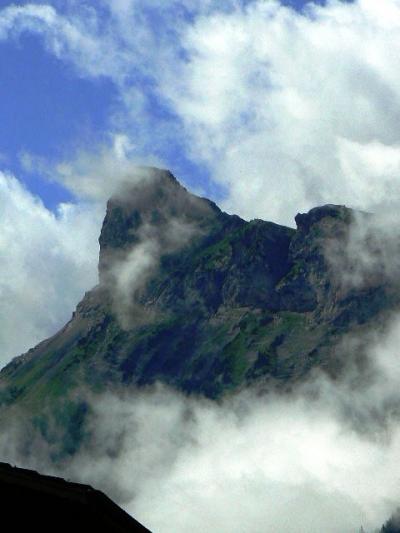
(47, 262)
(246, 466)
(273, 101)
(99, 174)
(285, 109)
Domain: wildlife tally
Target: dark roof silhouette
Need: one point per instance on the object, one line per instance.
(46, 503)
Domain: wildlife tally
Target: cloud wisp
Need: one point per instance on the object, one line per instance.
(127, 274)
(148, 219)
(95, 175)
(369, 255)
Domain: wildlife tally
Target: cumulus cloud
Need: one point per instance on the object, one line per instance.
(297, 110)
(47, 262)
(286, 109)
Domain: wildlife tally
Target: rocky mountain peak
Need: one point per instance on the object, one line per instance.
(341, 213)
(200, 300)
(155, 206)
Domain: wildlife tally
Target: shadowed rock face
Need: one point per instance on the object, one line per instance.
(200, 300)
(33, 502)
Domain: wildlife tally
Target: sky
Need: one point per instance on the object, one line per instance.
(267, 107)
(53, 105)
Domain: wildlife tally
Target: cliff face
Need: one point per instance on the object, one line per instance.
(201, 300)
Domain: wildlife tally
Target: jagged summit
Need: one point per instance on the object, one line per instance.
(305, 220)
(155, 196)
(154, 189)
(153, 206)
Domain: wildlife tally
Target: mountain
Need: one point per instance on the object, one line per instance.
(200, 300)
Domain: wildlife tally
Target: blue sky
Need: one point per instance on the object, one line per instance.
(47, 110)
(50, 110)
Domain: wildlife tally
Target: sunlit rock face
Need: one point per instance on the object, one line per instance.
(203, 301)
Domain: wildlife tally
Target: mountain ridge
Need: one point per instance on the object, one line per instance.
(201, 301)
